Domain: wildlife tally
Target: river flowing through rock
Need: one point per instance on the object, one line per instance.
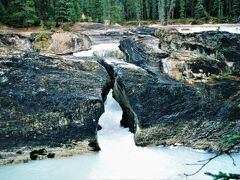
(121, 159)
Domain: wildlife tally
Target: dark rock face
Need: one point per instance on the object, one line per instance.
(143, 51)
(145, 30)
(50, 102)
(164, 111)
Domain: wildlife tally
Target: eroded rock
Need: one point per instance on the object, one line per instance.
(205, 54)
(50, 103)
(64, 43)
(175, 99)
(12, 44)
(144, 52)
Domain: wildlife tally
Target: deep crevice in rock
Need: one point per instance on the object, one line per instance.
(129, 118)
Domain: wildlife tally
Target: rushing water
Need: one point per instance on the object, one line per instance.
(120, 159)
(196, 29)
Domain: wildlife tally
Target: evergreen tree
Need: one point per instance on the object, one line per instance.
(45, 9)
(112, 10)
(63, 10)
(218, 8)
(15, 13)
(75, 11)
(98, 11)
(236, 8)
(154, 9)
(2, 12)
(29, 13)
(115, 11)
(138, 6)
(170, 9)
(182, 9)
(25, 13)
(199, 10)
(21, 14)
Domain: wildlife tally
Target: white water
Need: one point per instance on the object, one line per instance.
(120, 159)
(194, 29)
(98, 47)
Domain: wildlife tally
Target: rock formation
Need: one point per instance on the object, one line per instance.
(169, 107)
(62, 43)
(48, 104)
(12, 44)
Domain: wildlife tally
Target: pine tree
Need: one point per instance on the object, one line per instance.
(112, 10)
(63, 10)
(236, 8)
(199, 10)
(218, 8)
(29, 13)
(97, 13)
(154, 9)
(170, 9)
(182, 9)
(138, 6)
(15, 13)
(21, 14)
(75, 11)
(2, 12)
(115, 11)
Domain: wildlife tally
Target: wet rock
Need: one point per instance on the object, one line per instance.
(51, 155)
(94, 144)
(99, 128)
(145, 30)
(34, 155)
(50, 102)
(174, 99)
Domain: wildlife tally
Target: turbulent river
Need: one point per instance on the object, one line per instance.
(121, 159)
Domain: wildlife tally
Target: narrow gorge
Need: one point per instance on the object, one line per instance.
(178, 95)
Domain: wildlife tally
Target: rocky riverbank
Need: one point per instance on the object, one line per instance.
(174, 89)
(182, 90)
(49, 106)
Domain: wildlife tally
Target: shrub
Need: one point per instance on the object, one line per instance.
(67, 26)
(49, 24)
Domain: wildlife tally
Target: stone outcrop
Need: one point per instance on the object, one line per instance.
(198, 57)
(63, 43)
(144, 52)
(170, 108)
(49, 104)
(12, 44)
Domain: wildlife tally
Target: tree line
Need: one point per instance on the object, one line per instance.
(24, 13)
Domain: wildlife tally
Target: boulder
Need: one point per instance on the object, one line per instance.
(50, 103)
(12, 44)
(65, 43)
